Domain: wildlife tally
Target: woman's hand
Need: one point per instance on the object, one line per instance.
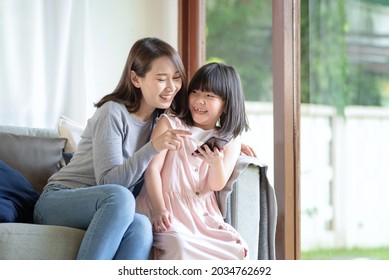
(161, 220)
(171, 139)
(247, 150)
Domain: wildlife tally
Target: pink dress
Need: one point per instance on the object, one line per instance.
(198, 231)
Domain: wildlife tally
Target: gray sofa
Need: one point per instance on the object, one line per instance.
(38, 153)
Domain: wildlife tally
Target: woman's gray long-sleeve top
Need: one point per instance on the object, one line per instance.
(114, 149)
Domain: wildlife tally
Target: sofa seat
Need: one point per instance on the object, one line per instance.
(39, 242)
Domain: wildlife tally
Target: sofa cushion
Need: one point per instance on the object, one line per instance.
(20, 241)
(36, 158)
(17, 196)
(30, 131)
(70, 130)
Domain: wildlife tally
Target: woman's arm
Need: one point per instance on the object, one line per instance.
(248, 150)
(107, 136)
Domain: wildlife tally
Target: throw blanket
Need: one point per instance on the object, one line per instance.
(268, 205)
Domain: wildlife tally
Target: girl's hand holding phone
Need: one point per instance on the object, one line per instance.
(212, 157)
(212, 143)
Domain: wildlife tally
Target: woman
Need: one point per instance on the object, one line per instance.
(94, 191)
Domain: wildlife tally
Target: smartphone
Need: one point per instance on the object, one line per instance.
(214, 142)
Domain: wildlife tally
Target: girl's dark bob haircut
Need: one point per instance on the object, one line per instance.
(224, 81)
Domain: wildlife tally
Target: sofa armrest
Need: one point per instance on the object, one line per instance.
(243, 208)
(252, 211)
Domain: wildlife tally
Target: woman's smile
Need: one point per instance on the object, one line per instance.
(167, 97)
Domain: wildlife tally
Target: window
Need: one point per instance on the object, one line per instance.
(344, 129)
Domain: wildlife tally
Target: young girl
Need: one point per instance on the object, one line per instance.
(180, 185)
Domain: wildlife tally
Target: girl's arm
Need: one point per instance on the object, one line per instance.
(221, 163)
(161, 219)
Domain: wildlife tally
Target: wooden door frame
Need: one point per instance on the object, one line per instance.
(286, 114)
(286, 105)
(191, 34)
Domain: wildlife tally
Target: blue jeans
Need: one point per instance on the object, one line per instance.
(106, 212)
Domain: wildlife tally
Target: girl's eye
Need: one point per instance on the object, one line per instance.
(177, 78)
(161, 80)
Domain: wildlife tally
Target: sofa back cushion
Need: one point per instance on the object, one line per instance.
(36, 158)
(30, 131)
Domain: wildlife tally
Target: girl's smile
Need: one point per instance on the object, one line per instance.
(206, 108)
(200, 111)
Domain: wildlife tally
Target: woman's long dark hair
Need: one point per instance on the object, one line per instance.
(224, 81)
(139, 60)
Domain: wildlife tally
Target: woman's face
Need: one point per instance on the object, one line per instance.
(206, 108)
(159, 85)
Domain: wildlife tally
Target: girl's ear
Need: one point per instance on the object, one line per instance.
(134, 79)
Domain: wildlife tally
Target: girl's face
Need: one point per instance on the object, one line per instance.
(206, 108)
(159, 85)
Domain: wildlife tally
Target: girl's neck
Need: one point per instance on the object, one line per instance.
(204, 127)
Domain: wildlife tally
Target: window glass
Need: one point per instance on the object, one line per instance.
(239, 33)
(344, 129)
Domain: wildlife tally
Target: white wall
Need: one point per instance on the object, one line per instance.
(112, 39)
(59, 57)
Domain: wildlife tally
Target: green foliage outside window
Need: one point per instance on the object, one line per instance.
(239, 33)
(327, 74)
